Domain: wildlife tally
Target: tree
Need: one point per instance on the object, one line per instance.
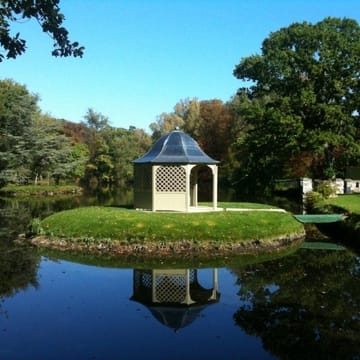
(44, 151)
(18, 109)
(186, 116)
(214, 128)
(124, 147)
(215, 125)
(165, 123)
(48, 15)
(99, 166)
(304, 99)
(96, 120)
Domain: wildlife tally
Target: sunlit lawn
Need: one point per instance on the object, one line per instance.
(350, 203)
(137, 226)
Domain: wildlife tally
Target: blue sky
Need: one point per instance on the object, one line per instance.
(143, 56)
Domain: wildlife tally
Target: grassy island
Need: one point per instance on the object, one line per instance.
(128, 232)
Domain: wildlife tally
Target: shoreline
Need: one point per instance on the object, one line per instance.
(173, 249)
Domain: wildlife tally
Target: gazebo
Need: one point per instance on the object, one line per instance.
(175, 297)
(166, 177)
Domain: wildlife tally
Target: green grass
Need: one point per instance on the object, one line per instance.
(350, 203)
(243, 205)
(131, 226)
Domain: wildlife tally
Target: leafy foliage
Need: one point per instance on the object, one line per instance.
(36, 148)
(111, 151)
(303, 106)
(18, 109)
(215, 125)
(47, 14)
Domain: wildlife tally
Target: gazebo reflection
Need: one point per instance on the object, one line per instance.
(175, 297)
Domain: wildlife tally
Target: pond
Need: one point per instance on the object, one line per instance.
(305, 305)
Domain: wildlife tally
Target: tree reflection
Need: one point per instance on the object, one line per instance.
(301, 306)
(18, 263)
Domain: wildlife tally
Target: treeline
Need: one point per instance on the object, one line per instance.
(36, 148)
(299, 117)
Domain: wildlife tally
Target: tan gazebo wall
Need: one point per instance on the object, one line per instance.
(169, 188)
(143, 186)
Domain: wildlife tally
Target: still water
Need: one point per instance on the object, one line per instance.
(305, 305)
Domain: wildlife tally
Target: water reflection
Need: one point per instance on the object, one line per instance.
(175, 297)
(18, 264)
(303, 306)
(18, 271)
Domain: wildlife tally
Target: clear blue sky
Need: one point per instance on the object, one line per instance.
(143, 56)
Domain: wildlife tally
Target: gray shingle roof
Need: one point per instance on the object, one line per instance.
(176, 147)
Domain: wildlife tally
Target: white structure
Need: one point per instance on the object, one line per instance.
(341, 186)
(351, 186)
(166, 177)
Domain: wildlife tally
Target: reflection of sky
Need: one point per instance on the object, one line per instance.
(82, 312)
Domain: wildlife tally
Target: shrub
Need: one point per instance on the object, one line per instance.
(326, 189)
(313, 201)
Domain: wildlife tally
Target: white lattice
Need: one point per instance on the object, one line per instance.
(171, 179)
(170, 289)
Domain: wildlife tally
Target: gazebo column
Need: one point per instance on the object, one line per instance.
(153, 190)
(194, 187)
(214, 171)
(188, 300)
(215, 285)
(188, 169)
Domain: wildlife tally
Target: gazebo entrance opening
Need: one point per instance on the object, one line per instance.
(201, 185)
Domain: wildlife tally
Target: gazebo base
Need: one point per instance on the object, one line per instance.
(204, 209)
(192, 209)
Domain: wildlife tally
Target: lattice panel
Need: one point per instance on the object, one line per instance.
(170, 289)
(142, 279)
(171, 179)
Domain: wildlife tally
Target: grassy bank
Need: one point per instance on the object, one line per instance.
(124, 230)
(349, 203)
(39, 190)
(347, 231)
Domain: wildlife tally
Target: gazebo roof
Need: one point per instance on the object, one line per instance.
(176, 147)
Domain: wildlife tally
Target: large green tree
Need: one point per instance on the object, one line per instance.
(44, 152)
(18, 109)
(99, 166)
(48, 14)
(111, 151)
(303, 103)
(35, 146)
(125, 145)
